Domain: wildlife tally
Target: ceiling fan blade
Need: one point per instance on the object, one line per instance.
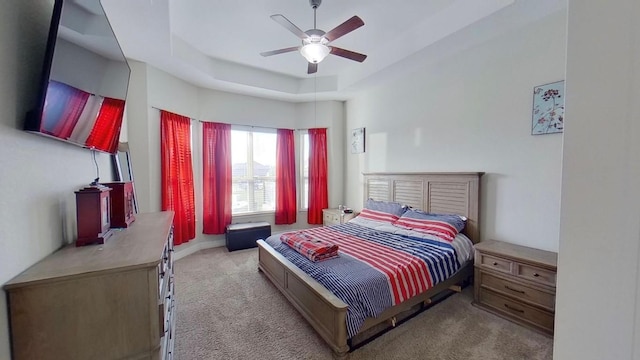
(312, 68)
(280, 19)
(348, 54)
(280, 51)
(344, 28)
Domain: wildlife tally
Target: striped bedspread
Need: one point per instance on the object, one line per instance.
(375, 269)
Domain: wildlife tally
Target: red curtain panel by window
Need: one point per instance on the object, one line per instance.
(318, 193)
(286, 206)
(177, 174)
(216, 182)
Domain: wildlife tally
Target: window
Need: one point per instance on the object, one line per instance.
(253, 167)
(304, 170)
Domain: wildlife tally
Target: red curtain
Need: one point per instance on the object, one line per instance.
(217, 176)
(106, 131)
(318, 194)
(286, 207)
(177, 174)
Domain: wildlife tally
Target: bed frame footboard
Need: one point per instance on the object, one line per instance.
(325, 312)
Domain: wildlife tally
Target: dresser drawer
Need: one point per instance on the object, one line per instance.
(536, 274)
(518, 291)
(529, 314)
(495, 263)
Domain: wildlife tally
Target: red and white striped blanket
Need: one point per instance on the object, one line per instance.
(312, 247)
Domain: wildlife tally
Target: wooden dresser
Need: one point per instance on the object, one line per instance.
(516, 282)
(335, 216)
(109, 301)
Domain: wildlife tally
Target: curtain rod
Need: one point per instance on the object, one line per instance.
(190, 118)
(249, 126)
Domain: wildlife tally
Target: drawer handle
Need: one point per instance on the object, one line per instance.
(495, 263)
(514, 309)
(536, 274)
(514, 290)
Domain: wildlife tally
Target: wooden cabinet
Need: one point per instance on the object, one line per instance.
(93, 215)
(110, 301)
(335, 216)
(122, 208)
(516, 282)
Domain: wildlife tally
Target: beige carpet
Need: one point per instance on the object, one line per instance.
(226, 309)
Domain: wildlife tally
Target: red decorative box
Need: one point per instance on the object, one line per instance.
(93, 215)
(122, 207)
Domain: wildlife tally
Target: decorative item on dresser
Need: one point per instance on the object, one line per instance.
(516, 282)
(93, 214)
(122, 200)
(111, 301)
(336, 216)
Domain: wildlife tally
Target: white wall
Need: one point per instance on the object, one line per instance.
(598, 299)
(38, 175)
(138, 129)
(472, 112)
(153, 89)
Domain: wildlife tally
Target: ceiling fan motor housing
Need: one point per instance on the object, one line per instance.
(315, 34)
(315, 3)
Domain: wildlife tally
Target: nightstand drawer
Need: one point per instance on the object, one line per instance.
(495, 263)
(536, 274)
(336, 217)
(518, 291)
(517, 310)
(330, 218)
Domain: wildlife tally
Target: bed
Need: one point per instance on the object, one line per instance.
(442, 193)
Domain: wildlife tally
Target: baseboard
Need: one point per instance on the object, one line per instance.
(191, 248)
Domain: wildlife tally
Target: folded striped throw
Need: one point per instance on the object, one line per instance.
(309, 245)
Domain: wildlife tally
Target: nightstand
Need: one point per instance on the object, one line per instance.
(517, 283)
(335, 217)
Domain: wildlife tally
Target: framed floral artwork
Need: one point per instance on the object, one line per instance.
(357, 141)
(548, 109)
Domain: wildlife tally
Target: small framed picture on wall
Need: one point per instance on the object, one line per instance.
(548, 109)
(357, 141)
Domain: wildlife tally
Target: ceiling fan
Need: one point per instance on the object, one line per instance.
(315, 42)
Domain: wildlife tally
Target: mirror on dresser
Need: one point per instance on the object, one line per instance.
(123, 170)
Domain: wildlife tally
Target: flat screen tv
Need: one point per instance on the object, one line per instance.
(85, 78)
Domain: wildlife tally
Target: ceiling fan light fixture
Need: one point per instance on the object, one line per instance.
(315, 52)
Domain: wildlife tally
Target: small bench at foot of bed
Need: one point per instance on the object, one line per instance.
(244, 235)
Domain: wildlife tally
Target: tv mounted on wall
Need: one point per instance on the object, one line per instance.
(85, 78)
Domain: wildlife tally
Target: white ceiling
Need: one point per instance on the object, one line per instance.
(217, 43)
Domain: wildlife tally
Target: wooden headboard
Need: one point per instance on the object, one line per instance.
(442, 193)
